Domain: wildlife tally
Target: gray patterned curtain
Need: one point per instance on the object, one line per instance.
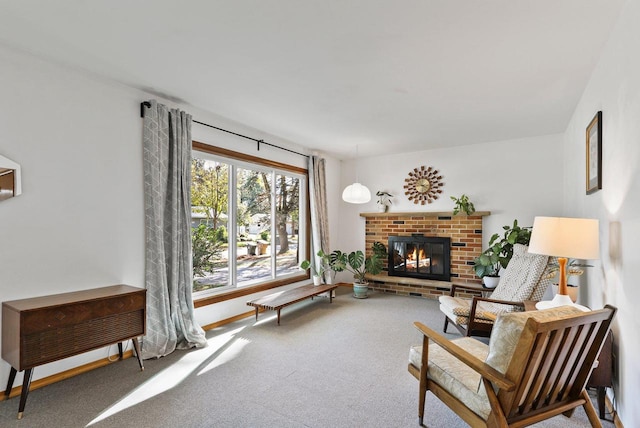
(318, 204)
(168, 263)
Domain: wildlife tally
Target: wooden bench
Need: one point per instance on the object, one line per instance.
(277, 301)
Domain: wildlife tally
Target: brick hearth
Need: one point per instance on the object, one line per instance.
(466, 244)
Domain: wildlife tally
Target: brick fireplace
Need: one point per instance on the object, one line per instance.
(464, 232)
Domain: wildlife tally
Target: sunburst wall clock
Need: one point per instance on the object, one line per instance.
(423, 185)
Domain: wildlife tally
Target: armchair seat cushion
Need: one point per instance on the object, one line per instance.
(457, 309)
(457, 378)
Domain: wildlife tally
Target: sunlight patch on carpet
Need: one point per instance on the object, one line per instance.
(233, 350)
(171, 376)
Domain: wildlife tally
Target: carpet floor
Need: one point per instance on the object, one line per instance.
(327, 365)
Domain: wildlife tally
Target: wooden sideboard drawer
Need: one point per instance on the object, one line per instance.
(72, 314)
(53, 344)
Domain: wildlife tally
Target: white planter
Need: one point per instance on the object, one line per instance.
(491, 281)
(317, 280)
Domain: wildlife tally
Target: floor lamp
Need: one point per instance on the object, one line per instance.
(564, 238)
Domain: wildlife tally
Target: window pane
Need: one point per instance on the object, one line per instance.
(209, 198)
(246, 222)
(254, 213)
(287, 216)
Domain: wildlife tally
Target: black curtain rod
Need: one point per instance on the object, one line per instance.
(148, 104)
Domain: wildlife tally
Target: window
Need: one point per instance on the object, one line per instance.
(249, 221)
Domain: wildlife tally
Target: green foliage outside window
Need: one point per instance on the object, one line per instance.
(206, 249)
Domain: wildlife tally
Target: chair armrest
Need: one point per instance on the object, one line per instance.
(490, 300)
(474, 302)
(466, 358)
(455, 287)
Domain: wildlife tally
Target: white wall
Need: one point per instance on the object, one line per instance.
(512, 179)
(79, 223)
(614, 88)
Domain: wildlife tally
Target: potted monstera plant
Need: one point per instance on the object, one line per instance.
(487, 266)
(359, 265)
(319, 271)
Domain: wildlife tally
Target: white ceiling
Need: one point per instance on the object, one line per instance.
(385, 76)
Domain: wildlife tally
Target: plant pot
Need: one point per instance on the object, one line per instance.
(572, 291)
(490, 281)
(360, 290)
(317, 280)
(328, 278)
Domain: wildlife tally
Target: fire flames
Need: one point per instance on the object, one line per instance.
(418, 259)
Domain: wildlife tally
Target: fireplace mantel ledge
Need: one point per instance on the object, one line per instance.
(424, 214)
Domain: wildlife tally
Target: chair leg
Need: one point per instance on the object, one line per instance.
(446, 324)
(423, 395)
(590, 410)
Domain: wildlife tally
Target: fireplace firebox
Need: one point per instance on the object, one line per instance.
(420, 256)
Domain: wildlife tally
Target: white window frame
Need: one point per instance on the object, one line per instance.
(273, 168)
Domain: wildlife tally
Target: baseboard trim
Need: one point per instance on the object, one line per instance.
(36, 384)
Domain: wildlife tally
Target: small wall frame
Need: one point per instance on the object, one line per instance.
(594, 154)
(10, 179)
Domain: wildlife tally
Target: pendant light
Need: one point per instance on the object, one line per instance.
(356, 193)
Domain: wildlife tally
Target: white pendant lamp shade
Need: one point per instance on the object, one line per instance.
(356, 193)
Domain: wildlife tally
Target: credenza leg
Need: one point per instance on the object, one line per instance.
(120, 350)
(136, 346)
(12, 378)
(26, 383)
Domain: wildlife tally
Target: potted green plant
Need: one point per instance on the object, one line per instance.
(574, 268)
(463, 205)
(499, 252)
(384, 200)
(318, 272)
(487, 267)
(359, 265)
(380, 250)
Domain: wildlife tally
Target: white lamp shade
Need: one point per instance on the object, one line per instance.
(356, 194)
(575, 238)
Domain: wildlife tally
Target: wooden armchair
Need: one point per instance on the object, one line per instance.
(535, 367)
(524, 278)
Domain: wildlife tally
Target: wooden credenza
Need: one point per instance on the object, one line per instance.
(43, 329)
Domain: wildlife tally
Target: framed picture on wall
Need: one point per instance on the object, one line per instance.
(594, 154)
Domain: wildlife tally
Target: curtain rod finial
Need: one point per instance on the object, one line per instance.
(142, 106)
